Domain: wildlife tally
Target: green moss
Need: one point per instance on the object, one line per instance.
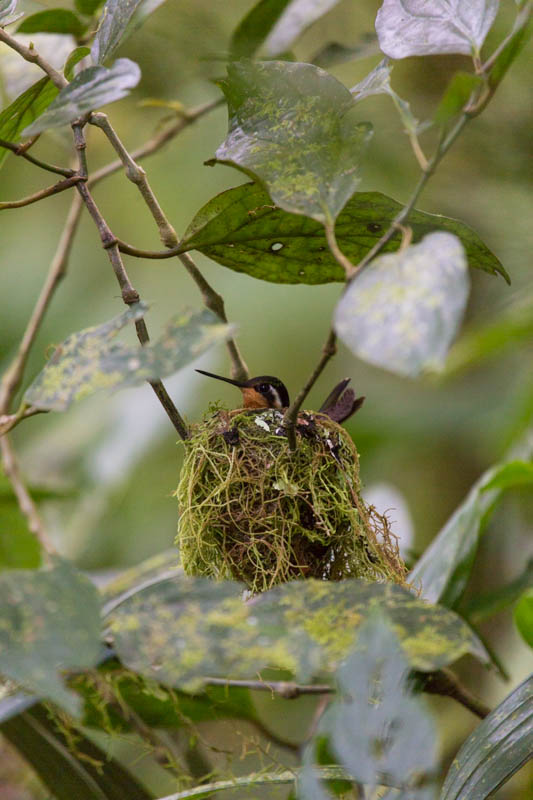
(252, 510)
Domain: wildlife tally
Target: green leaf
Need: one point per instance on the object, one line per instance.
(522, 31)
(378, 82)
(91, 88)
(69, 767)
(496, 749)
(443, 571)
(252, 30)
(19, 549)
(293, 126)
(90, 360)
(515, 473)
(491, 603)
(456, 96)
(88, 7)
(242, 229)
(114, 21)
(7, 7)
(380, 729)
(54, 20)
(74, 58)
(335, 53)
(50, 622)
(184, 629)
(22, 111)
(294, 19)
(403, 311)
(418, 29)
(523, 616)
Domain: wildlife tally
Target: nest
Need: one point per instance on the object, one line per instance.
(253, 511)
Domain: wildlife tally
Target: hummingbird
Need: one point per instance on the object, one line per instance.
(266, 391)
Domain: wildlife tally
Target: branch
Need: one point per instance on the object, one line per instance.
(40, 195)
(10, 421)
(445, 683)
(287, 690)
(289, 420)
(31, 55)
(129, 293)
(19, 150)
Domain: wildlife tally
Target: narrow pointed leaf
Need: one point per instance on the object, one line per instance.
(74, 58)
(293, 126)
(403, 311)
(497, 748)
(53, 20)
(494, 602)
(456, 96)
(114, 21)
(418, 28)
(252, 30)
(522, 32)
(24, 110)
(293, 21)
(523, 616)
(51, 622)
(242, 229)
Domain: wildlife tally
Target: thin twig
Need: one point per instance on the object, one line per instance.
(287, 690)
(13, 376)
(31, 55)
(40, 195)
(338, 255)
(26, 504)
(289, 420)
(19, 150)
(445, 683)
(10, 421)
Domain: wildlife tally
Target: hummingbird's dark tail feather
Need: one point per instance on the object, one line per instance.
(340, 404)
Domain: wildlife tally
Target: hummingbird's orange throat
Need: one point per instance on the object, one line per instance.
(253, 399)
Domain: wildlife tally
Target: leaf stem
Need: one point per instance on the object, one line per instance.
(42, 193)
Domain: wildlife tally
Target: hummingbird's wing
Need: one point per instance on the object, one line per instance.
(341, 404)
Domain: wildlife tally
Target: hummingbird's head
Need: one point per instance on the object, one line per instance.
(263, 391)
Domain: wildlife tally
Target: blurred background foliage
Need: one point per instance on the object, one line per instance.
(105, 471)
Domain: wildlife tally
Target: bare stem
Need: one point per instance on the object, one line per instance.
(31, 55)
(19, 150)
(289, 420)
(338, 255)
(40, 195)
(287, 690)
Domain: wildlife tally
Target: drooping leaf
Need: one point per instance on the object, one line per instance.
(378, 82)
(69, 768)
(418, 28)
(53, 20)
(335, 53)
(242, 229)
(252, 30)
(515, 473)
(522, 31)
(523, 616)
(23, 110)
(456, 96)
(443, 571)
(7, 7)
(403, 311)
(493, 602)
(497, 748)
(114, 20)
(379, 729)
(293, 126)
(296, 17)
(50, 622)
(184, 629)
(90, 360)
(92, 88)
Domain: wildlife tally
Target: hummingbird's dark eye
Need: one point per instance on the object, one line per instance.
(264, 388)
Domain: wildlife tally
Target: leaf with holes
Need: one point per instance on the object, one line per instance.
(403, 311)
(293, 126)
(50, 622)
(92, 88)
(242, 229)
(418, 28)
(497, 748)
(183, 630)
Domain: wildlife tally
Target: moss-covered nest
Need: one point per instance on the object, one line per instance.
(253, 511)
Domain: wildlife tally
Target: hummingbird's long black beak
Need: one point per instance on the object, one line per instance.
(240, 384)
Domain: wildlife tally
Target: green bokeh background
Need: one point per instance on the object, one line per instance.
(115, 458)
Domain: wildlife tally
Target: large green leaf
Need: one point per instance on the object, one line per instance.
(184, 629)
(70, 767)
(50, 622)
(403, 311)
(92, 88)
(443, 571)
(522, 31)
(418, 28)
(90, 360)
(53, 20)
(242, 229)
(293, 126)
(496, 749)
(23, 110)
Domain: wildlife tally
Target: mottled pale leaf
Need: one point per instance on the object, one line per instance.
(23, 110)
(114, 20)
(7, 7)
(497, 748)
(293, 21)
(254, 27)
(90, 360)
(53, 20)
(378, 82)
(293, 126)
(456, 96)
(242, 229)
(50, 622)
(92, 88)
(336, 53)
(71, 769)
(379, 728)
(421, 28)
(184, 629)
(443, 571)
(523, 616)
(403, 311)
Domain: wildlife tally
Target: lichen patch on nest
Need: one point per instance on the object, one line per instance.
(252, 510)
